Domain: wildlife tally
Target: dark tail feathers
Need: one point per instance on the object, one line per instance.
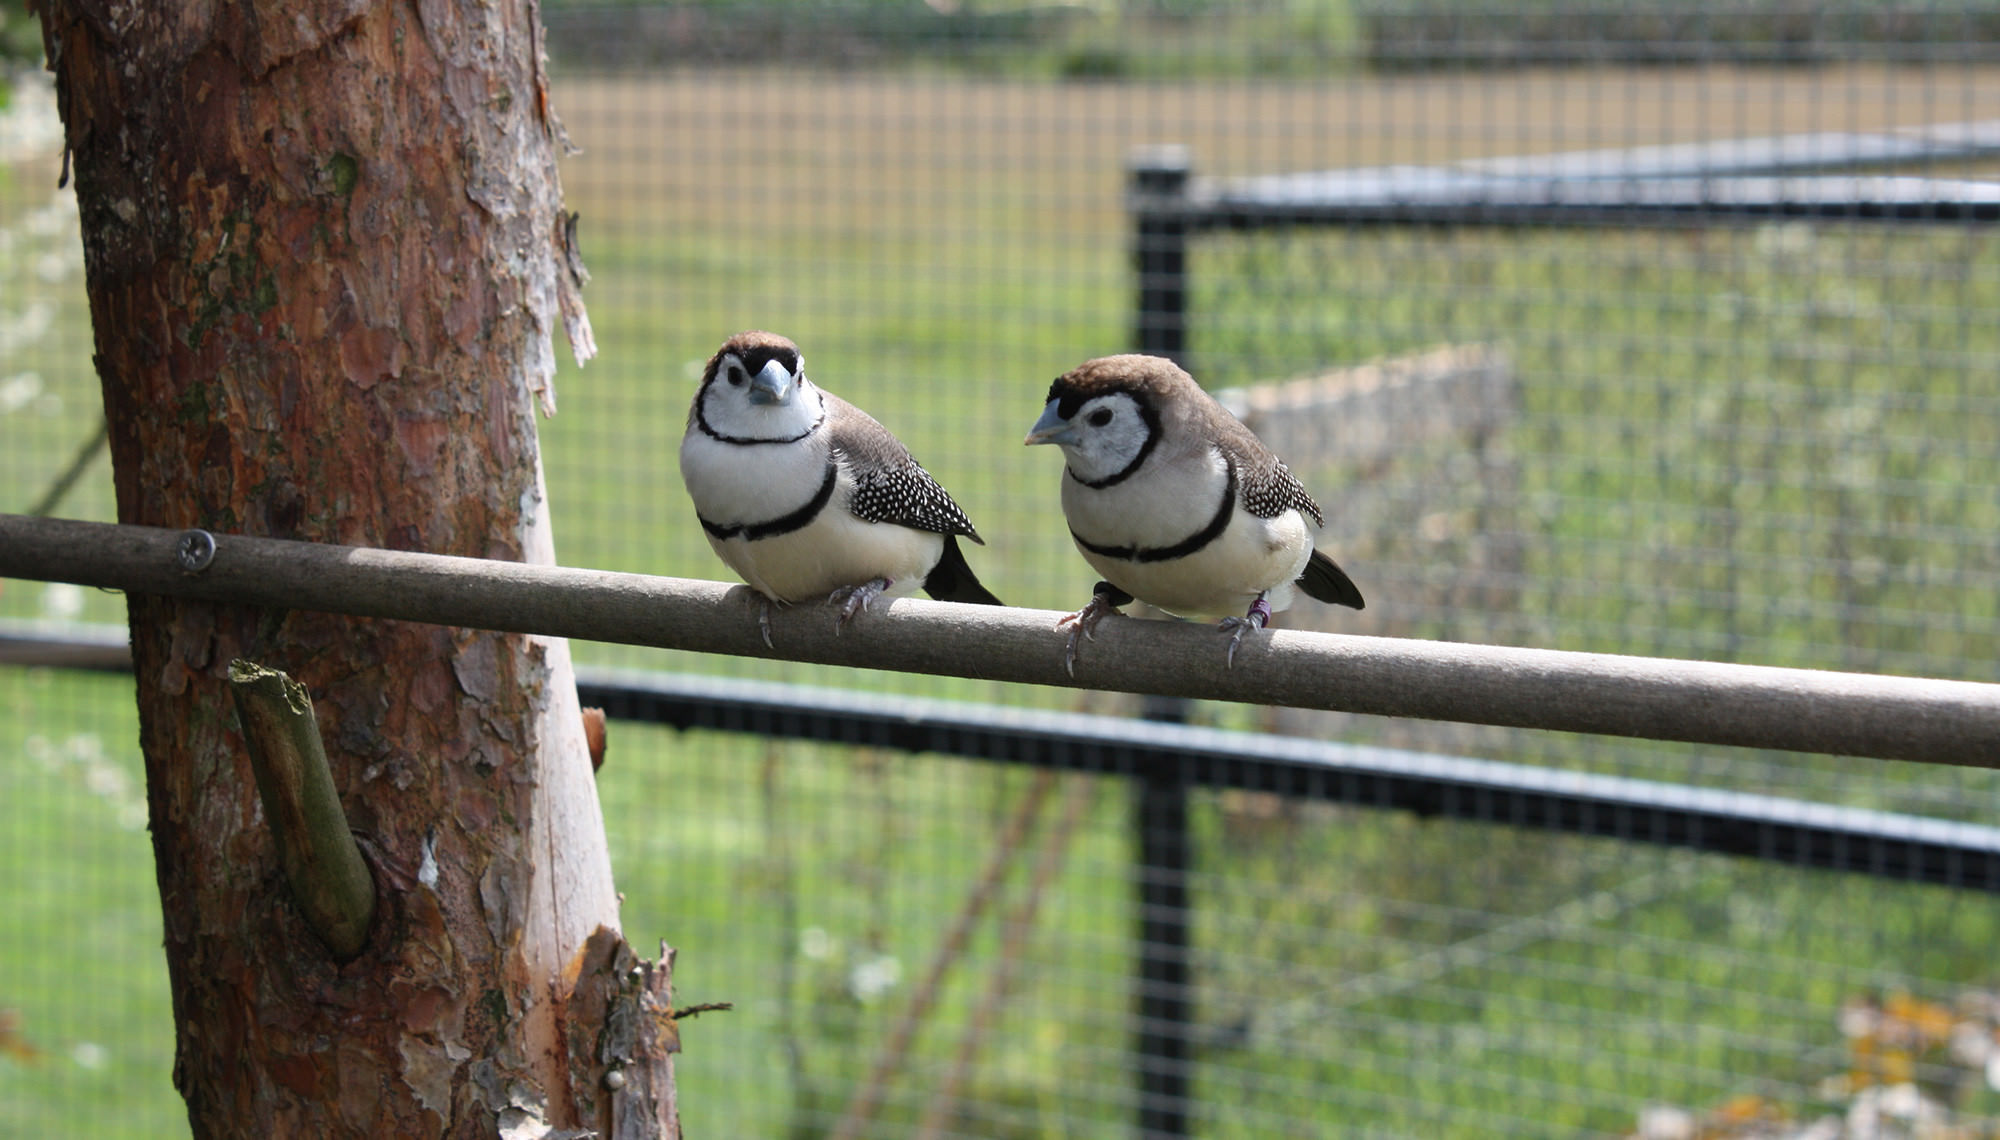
(952, 580)
(1328, 583)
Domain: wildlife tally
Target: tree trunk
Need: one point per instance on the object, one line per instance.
(326, 255)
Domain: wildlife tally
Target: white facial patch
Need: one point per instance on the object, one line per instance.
(727, 406)
(1107, 434)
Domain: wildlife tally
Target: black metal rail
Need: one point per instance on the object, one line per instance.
(1422, 197)
(1893, 845)
(1723, 182)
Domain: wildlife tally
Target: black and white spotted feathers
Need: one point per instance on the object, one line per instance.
(908, 497)
(889, 484)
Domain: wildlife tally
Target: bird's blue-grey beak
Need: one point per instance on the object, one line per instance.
(772, 385)
(1051, 428)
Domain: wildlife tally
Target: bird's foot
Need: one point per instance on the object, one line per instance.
(851, 600)
(1258, 617)
(1083, 625)
(765, 606)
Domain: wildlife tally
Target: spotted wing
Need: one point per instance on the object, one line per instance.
(889, 485)
(1269, 488)
(1275, 490)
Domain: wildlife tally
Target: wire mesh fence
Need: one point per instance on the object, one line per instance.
(1769, 442)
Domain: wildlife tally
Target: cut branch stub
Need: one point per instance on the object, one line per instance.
(323, 865)
(619, 1022)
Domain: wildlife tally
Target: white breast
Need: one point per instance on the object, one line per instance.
(732, 484)
(1159, 506)
(1252, 556)
(834, 550)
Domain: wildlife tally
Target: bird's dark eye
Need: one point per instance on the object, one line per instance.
(736, 375)
(1100, 417)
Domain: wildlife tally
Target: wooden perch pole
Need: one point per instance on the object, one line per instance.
(1809, 710)
(323, 865)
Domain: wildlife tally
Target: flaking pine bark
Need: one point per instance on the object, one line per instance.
(327, 257)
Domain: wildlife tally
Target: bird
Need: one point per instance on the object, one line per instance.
(1177, 503)
(806, 496)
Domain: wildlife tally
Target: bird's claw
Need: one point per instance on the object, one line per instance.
(851, 600)
(1236, 627)
(764, 622)
(1085, 622)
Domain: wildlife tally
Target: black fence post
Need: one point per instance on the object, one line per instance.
(1163, 1000)
(1157, 198)
(1163, 1005)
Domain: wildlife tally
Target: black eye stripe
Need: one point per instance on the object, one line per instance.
(749, 362)
(1069, 401)
(755, 360)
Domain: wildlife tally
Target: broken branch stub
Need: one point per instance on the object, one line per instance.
(329, 880)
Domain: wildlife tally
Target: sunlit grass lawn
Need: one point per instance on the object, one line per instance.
(1820, 388)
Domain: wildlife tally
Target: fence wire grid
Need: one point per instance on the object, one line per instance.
(1772, 442)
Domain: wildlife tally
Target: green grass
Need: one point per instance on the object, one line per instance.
(1680, 979)
(895, 344)
(1832, 392)
(1676, 978)
(782, 872)
(805, 868)
(1777, 445)
(1176, 40)
(80, 956)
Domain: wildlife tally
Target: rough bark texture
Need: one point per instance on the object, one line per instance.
(326, 256)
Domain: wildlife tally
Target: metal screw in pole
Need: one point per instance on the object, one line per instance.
(194, 551)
